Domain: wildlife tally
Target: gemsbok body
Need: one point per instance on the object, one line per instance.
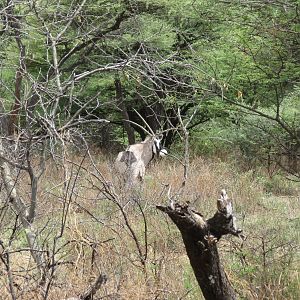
(132, 162)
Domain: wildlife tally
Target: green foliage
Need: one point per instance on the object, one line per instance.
(159, 35)
(237, 62)
(257, 140)
(247, 50)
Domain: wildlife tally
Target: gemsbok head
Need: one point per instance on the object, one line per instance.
(132, 162)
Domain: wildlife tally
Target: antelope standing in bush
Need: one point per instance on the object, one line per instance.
(132, 162)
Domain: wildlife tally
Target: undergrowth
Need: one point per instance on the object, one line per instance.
(143, 255)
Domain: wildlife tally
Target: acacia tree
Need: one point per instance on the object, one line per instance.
(46, 100)
(251, 72)
(68, 65)
(271, 92)
(40, 113)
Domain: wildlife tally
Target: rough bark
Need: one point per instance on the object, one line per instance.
(200, 238)
(4, 121)
(121, 104)
(21, 210)
(15, 25)
(91, 291)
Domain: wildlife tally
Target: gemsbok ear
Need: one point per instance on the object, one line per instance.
(163, 152)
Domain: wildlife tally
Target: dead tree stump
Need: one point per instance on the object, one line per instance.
(200, 238)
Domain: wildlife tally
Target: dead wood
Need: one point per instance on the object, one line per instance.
(200, 238)
(91, 291)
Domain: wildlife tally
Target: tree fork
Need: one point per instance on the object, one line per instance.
(200, 238)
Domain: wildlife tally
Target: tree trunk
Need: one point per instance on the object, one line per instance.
(16, 202)
(200, 239)
(121, 104)
(14, 22)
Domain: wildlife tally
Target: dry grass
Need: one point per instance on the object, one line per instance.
(96, 238)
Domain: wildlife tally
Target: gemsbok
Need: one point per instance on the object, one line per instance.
(132, 162)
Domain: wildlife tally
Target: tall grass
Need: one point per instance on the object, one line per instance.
(97, 239)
